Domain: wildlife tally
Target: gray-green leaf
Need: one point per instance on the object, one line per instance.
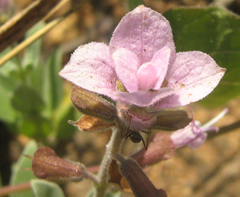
(42, 188)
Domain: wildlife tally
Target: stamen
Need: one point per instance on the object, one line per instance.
(217, 118)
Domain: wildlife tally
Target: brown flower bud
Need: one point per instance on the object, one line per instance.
(160, 148)
(93, 104)
(173, 119)
(47, 165)
(137, 179)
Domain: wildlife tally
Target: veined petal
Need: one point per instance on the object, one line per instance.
(144, 98)
(161, 60)
(193, 75)
(126, 65)
(91, 68)
(143, 31)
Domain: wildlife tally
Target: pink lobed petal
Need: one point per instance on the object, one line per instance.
(143, 31)
(192, 136)
(193, 75)
(161, 59)
(91, 68)
(147, 76)
(144, 98)
(126, 65)
(198, 141)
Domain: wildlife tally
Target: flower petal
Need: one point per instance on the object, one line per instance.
(91, 68)
(144, 98)
(161, 59)
(147, 76)
(198, 141)
(183, 137)
(143, 31)
(193, 75)
(126, 65)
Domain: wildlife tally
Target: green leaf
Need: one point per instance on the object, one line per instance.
(35, 126)
(91, 192)
(132, 4)
(33, 52)
(27, 100)
(11, 65)
(53, 84)
(62, 114)
(22, 176)
(215, 31)
(8, 84)
(35, 77)
(29, 103)
(7, 112)
(108, 194)
(42, 188)
(113, 194)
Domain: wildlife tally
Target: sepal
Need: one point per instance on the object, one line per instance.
(173, 119)
(92, 104)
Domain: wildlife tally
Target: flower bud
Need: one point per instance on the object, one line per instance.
(92, 104)
(47, 165)
(137, 179)
(173, 119)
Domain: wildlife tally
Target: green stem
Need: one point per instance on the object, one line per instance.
(113, 147)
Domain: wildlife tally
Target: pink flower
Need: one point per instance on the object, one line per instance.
(141, 54)
(194, 135)
(140, 68)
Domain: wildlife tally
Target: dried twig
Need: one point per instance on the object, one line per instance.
(16, 27)
(38, 34)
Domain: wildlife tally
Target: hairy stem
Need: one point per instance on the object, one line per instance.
(92, 177)
(113, 147)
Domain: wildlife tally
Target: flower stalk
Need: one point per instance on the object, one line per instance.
(112, 148)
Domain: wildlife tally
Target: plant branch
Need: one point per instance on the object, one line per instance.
(14, 188)
(112, 148)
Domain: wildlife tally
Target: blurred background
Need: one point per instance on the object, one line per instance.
(35, 103)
